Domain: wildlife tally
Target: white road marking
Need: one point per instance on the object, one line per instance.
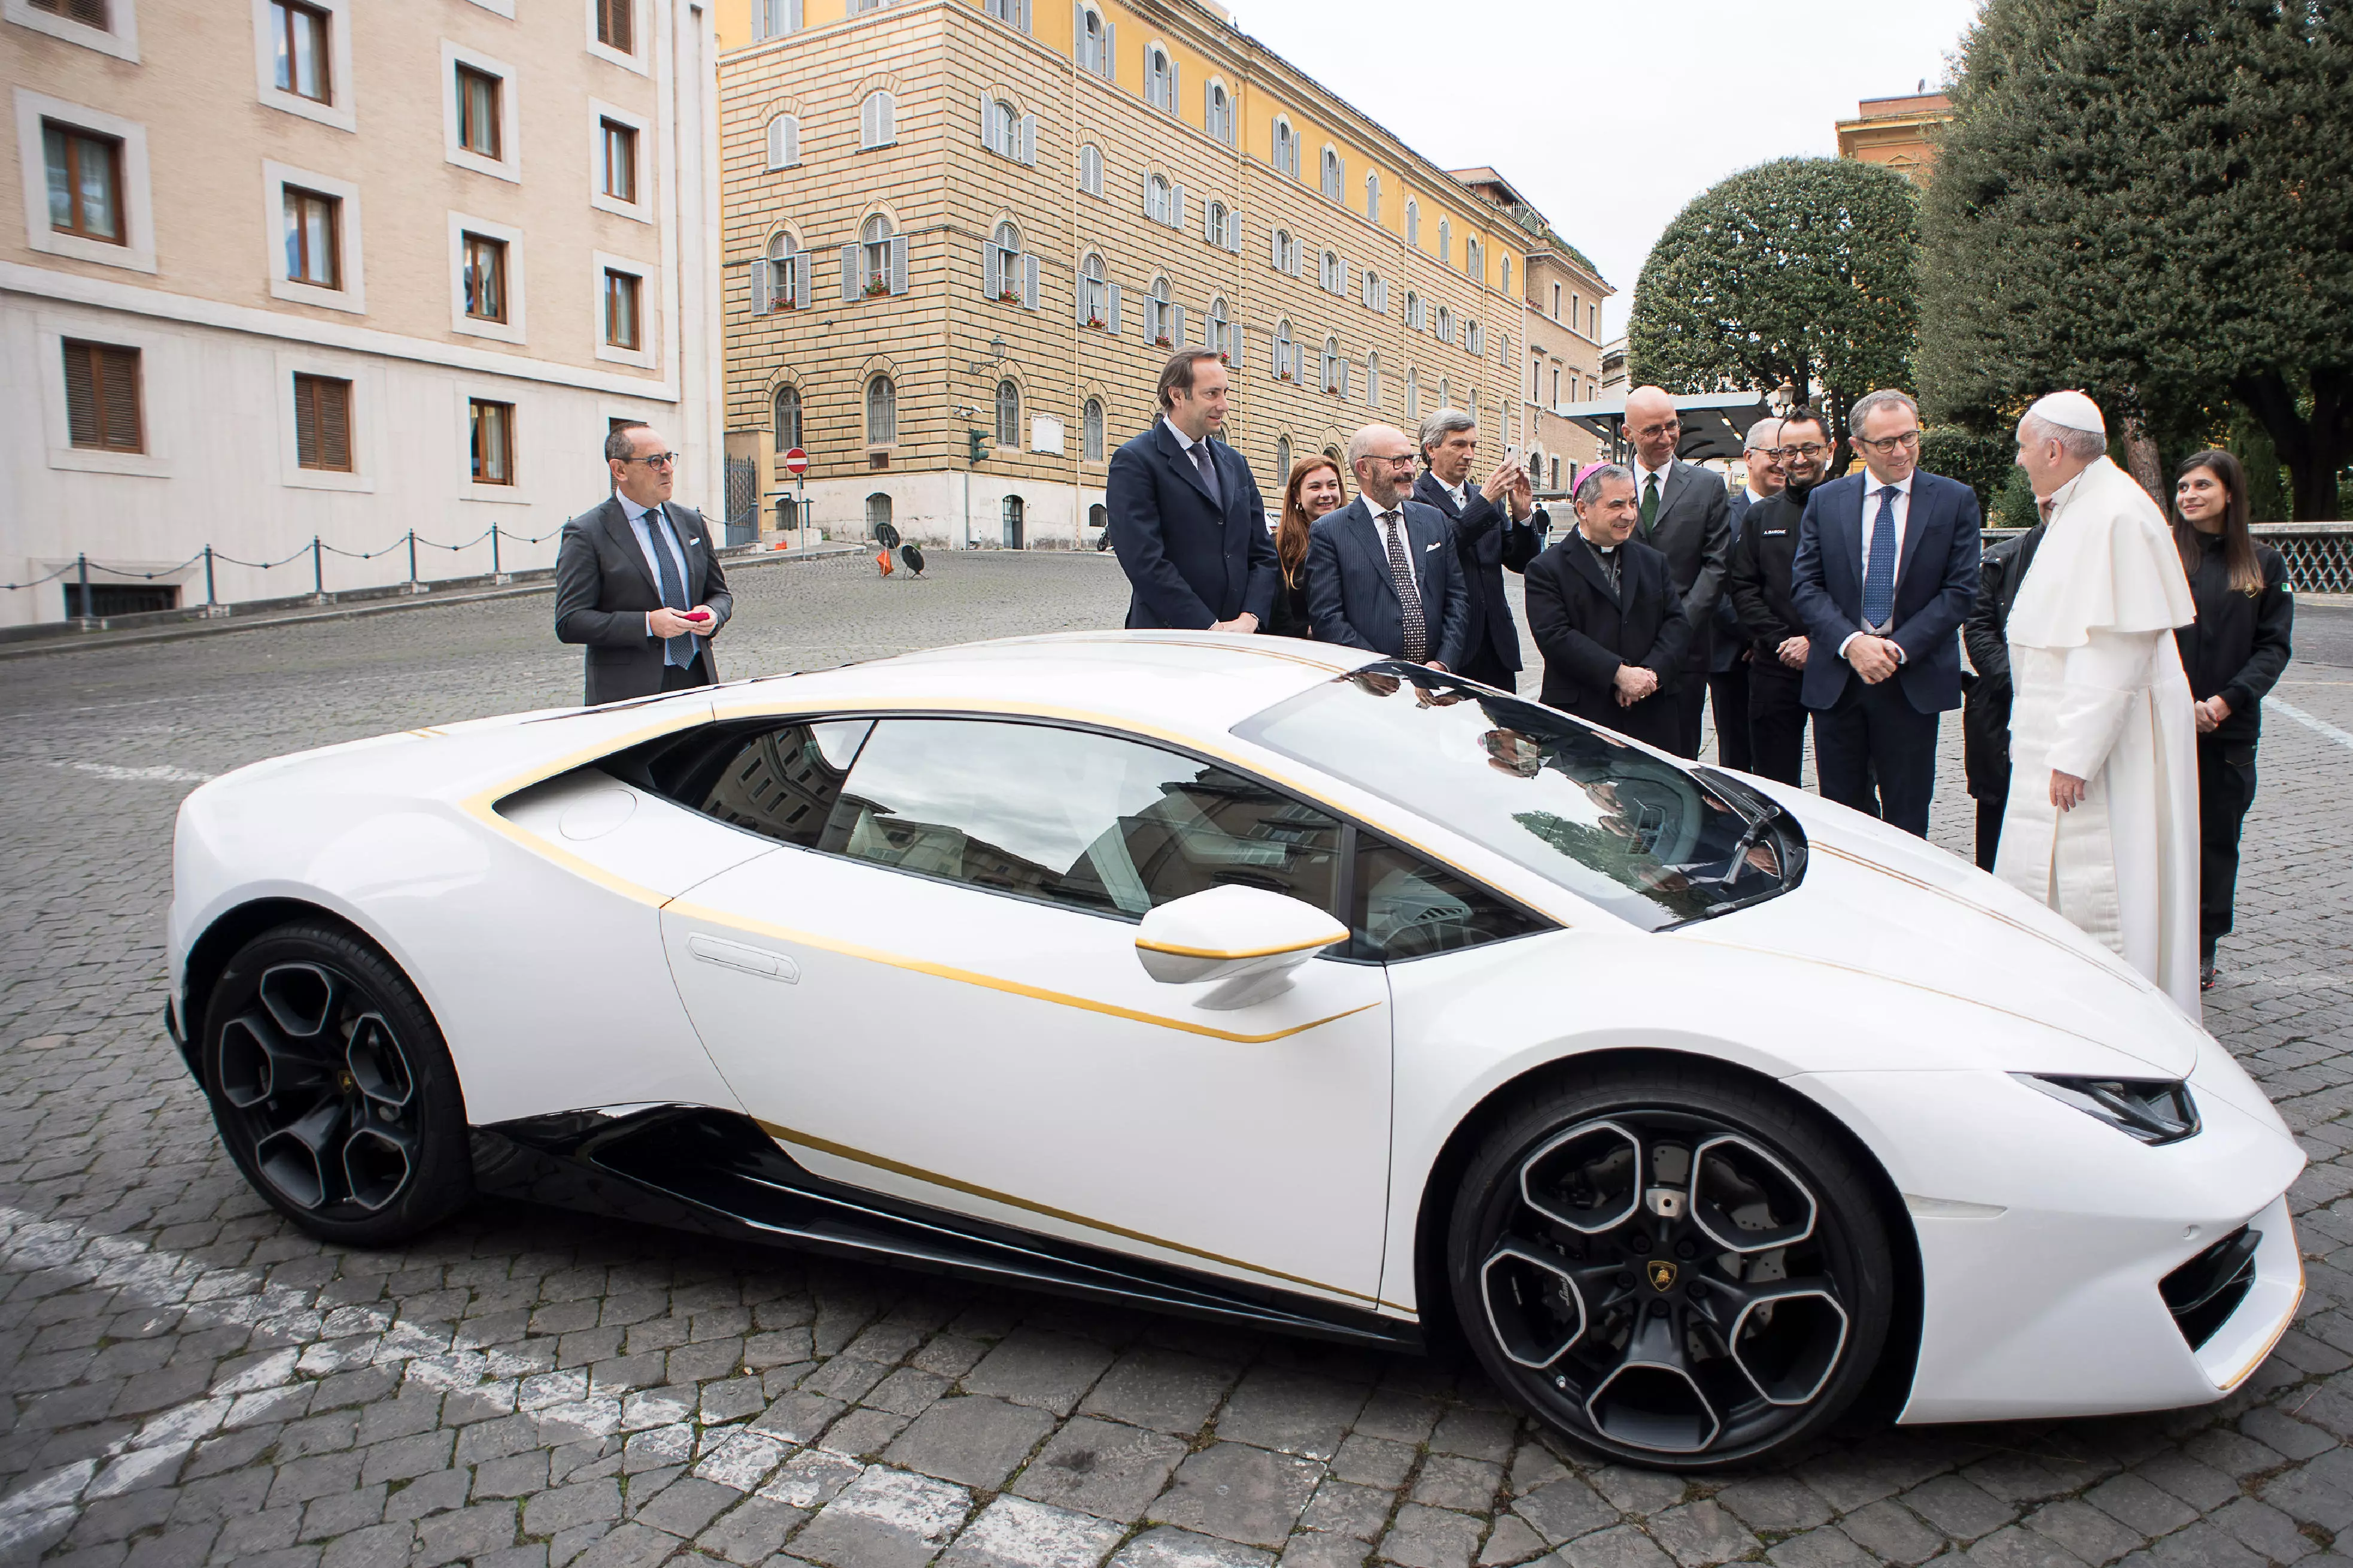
(2309, 721)
(563, 1404)
(161, 775)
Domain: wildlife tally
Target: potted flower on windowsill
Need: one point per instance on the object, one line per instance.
(878, 288)
(1224, 358)
(1163, 341)
(1095, 321)
(1288, 376)
(1008, 296)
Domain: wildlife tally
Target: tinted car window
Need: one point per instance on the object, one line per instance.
(780, 781)
(1088, 821)
(1406, 907)
(1639, 835)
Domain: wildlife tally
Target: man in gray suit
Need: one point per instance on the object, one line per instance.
(1382, 572)
(637, 580)
(1684, 516)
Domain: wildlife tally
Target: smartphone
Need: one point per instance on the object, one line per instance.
(1512, 455)
(698, 616)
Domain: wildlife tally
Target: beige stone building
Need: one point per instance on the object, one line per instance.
(1896, 132)
(962, 237)
(297, 268)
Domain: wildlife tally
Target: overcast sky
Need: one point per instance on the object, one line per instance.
(1610, 116)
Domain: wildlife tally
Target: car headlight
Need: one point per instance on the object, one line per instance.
(2151, 1110)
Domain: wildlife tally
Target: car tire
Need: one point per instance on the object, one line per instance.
(1677, 1267)
(332, 1089)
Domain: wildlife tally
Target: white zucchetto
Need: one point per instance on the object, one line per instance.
(2070, 410)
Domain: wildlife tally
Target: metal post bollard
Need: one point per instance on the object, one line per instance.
(81, 565)
(318, 570)
(494, 553)
(412, 561)
(210, 599)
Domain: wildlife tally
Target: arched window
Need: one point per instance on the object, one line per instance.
(1001, 128)
(1373, 196)
(787, 280)
(1331, 274)
(1473, 405)
(877, 120)
(1507, 273)
(1157, 324)
(1445, 394)
(1159, 79)
(1474, 336)
(1412, 395)
(783, 142)
(1012, 512)
(1445, 325)
(1375, 292)
(1445, 243)
(1332, 173)
(1090, 168)
(1098, 516)
(1474, 259)
(1281, 461)
(1286, 148)
(874, 256)
(1016, 11)
(1285, 367)
(1412, 222)
(882, 411)
(1219, 329)
(1001, 265)
(1216, 226)
(1219, 113)
(878, 512)
(1331, 365)
(1093, 293)
(1091, 431)
(1157, 200)
(1284, 252)
(788, 418)
(1095, 45)
(1372, 379)
(1412, 311)
(1008, 415)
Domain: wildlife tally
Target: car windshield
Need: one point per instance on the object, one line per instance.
(1651, 840)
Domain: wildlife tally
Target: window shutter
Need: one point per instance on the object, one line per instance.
(1028, 151)
(792, 15)
(992, 269)
(776, 143)
(763, 289)
(1344, 378)
(1110, 50)
(1208, 210)
(866, 118)
(1234, 232)
(1173, 99)
(118, 403)
(800, 289)
(1022, 15)
(1274, 249)
(1111, 310)
(1340, 279)
(887, 118)
(81, 394)
(1176, 206)
(1176, 326)
(306, 422)
(849, 273)
(1079, 33)
(1147, 197)
(988, 123)
(1029, 282)
(898, 264)
(1079, 290)
(1365, 290)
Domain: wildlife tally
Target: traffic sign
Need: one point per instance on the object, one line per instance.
(797, 462)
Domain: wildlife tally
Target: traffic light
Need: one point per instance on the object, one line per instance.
(972, 440)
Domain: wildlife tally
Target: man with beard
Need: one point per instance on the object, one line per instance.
(1760, 579)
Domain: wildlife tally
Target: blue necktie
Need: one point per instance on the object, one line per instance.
(1879, 576)
(678, 650)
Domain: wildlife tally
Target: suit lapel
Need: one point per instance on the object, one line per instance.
(1430, 492)
(1366, 530)
(1182, 461)
(1916, 516)
(625, 539)
(1582, 556)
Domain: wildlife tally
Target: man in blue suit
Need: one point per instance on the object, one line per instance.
(1382, 572)
(1185, 519)
(1885, 572)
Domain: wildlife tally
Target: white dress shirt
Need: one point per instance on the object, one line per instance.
(1754, 499)
(1871, 489)
(1643, 480)
(644, 530)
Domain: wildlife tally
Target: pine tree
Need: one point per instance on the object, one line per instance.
(2151, 200)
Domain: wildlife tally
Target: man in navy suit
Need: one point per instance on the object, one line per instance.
(1496, 525)
(1185, 519)
(1382, 573)
(1885, 572)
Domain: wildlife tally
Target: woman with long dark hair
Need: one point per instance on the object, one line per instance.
(1313, 490)
(2231, 653)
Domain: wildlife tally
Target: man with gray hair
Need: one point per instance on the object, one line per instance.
(2101, 819)
(1382, 573)
(636, 579)
(1604, 610)
(1885, 572)
(1495, 527)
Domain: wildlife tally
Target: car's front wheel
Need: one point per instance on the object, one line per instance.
(1676, 1267)
(332, 1089)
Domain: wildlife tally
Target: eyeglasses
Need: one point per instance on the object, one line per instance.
(1673, 427)
(1783, 454)
(655, 459)
(1900, 441)
(1403, 460)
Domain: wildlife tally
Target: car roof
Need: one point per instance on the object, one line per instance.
(1207, 682)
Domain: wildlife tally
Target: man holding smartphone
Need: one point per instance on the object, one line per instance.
(636, 579)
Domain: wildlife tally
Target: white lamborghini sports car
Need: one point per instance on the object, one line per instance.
(1258, 980)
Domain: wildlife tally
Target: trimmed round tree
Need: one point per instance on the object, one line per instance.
(1796, 271)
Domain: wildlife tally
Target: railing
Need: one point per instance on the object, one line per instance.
(2319, 555)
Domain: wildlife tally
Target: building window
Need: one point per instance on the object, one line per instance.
(1508, 275)
(1214, 225)
(1445, 243)
(1285, 252)
(1331, 367)
(1373, 197)
(1556, 476)
(622, 292)
(1156, 199)
(484, 274)
(1093, 292)
(1412, 222)
(1474, 336)
(785, 283)
(1445, 325)
(493, 440)
(1091, 430)
(878, 513)
(877, 120)
(613, 19)
(102, 397)
(1014, 12)
(1375, 292)
(299, 33)
(1158, 323)
(1281, 461)
(1286, 149)
(1010, 513)
(997, 120)
(85, 182)
(1373, 380)
(1001, 274)
(882, 411)
(874, 256)
(313, 238)
(1556, 386)
(1445, 394)
(775, 18)
(1220, 330)
(1474, 259)
(1095, 45)
(478, 111)
(1413, 316)
(617, 160)
(1159, 79)
(89, 13)
(1008, 415)
(1412, 395)
(323, 423)
(1219, 113)
(1331, 174)
(1286, 366)
(1091, 170)
(783, 142)
(788, 418)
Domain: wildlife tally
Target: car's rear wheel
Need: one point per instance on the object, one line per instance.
(332, 1089)
(1675, 1267)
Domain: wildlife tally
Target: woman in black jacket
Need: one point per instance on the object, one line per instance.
(2231, 653)
(1312, 491)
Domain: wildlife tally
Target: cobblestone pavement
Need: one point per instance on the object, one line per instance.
(188, 1380)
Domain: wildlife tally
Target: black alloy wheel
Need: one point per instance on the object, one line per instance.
(332, 1089)
(1676, 1268)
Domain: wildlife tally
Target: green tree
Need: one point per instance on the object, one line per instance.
(1796, 271)
(2150, 199)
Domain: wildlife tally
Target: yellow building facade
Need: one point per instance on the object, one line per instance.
(961, 239)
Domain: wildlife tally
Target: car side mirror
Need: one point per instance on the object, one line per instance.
(1246, 936)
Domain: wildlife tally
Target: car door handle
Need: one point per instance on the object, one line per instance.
(750, 960)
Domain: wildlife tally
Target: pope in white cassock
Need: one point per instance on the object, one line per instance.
(2102, 820)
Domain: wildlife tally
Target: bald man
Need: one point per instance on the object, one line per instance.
(1683, 514)
(1382, 572)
